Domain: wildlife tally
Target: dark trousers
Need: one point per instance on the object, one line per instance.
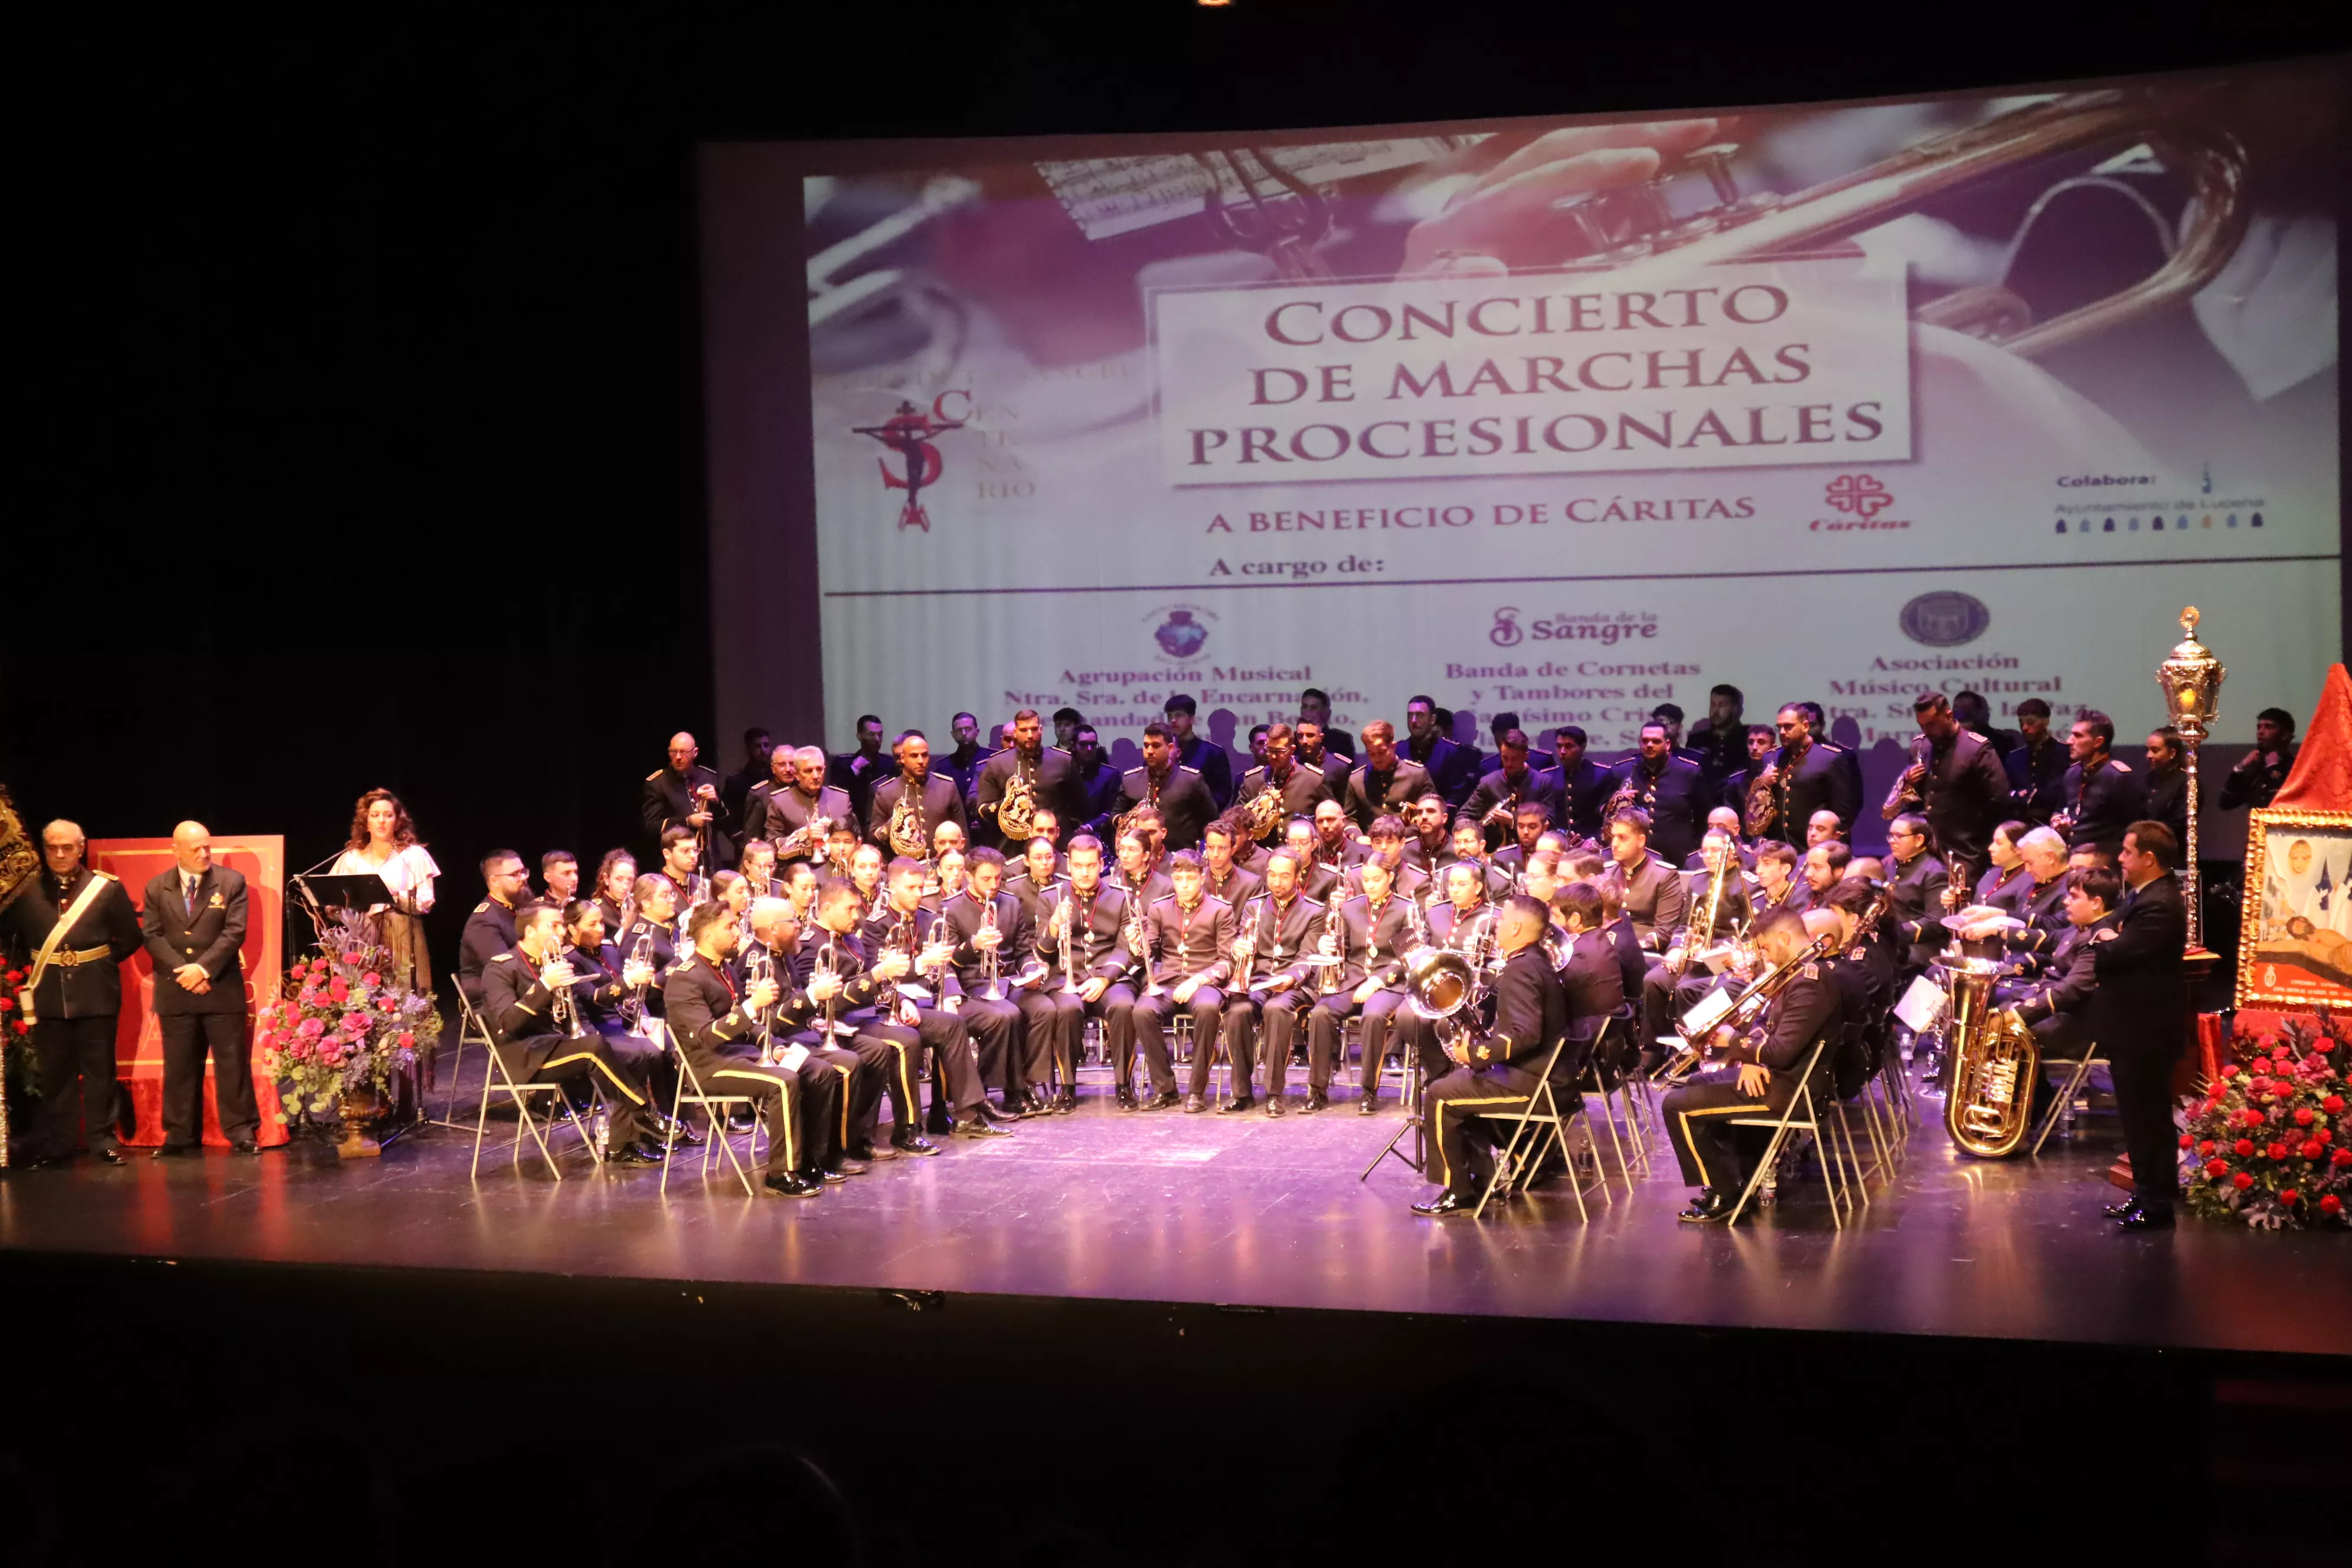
(1452, 1104)
(1698, 1123)
(1149, 1029)
(1325, 1040)
(1114, 1008)
(622, 1080)
(2143, 1081)
(996, 1030)
(848, 1107)
(1274, 1019)
(781, 1096)
(1665, 999)
(895, 1053)
(186, 1039)
(1041, 1054)
(955, 1062)
(75, 1057)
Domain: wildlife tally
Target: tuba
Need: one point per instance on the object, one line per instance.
(906, 829)
(1995, 1063)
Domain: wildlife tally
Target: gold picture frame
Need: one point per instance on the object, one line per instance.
(2295, 943)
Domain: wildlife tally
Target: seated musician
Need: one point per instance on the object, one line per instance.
(1776, 877)
(1300, 787)
(1498, 1071)
(1726, 821)
(1470, 845)
(1386, 841)
(964, 1051)
(1677, 982)
(1428, 842)
(1593, 974)
(2056, 1007)
(714, 1021)
(1224, 876)
(609, 990)
(1082, 939)
(866, 878)
(1495, 804)
(2039, 899)
(841, 847)
(1138, 870)
(518, 994)
(887, 1048)
(1187, 938)
(1762, 1078)
(1918, 880)
(1824, 867)
(1337, 844)
(2006, 877)
(1650, 891)
(1529, 822)
(1862, 998)
(1320, 879)
(653, 936)
(1276, 929)
(1375, 929)
(993, 941)
(758, 868)
(839, 1088)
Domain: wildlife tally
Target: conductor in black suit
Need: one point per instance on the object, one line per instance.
(193, 921)
(2140, 1012)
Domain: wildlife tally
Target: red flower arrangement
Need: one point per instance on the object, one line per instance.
(339, 1026)
(2264, 1137)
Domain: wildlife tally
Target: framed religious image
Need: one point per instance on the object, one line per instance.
(2295, 947)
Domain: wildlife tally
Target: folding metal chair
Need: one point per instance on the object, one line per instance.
(1541, 1109)
(470, 1027)
(1800, 1116)
(2074, 1081)
(717, 1108)
(498, 1078)
(1630, 1143)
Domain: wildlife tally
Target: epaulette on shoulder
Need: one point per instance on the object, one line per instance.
(1304, 900)
(1310, 767)
(1131, 773)
(1064, 750)
(483, 907)
(107, 875)
(2107, 935)
(1827, 745)
(2116, 764)
(1187, 767)
(653, 775)
(683, 965)
(501, 957)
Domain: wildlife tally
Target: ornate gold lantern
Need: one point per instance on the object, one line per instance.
(2191, 677)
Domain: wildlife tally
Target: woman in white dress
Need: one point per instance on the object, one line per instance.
(383, 840)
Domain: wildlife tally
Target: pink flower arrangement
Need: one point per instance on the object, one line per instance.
(336, 1026)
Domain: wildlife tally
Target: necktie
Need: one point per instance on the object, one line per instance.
(188, 894)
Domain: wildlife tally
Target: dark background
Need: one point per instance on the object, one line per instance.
(363, 402)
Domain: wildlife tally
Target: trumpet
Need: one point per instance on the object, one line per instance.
(758, 967)
(561, 1007)
(1329, 981)
(1246, 944)
(1139, 943)
(990, 958)
(633, 1006)
(1064, 917)
(1507, 810)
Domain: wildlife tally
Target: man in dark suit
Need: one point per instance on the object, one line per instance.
(1201, 754)
(1095, 795)
(1314, 708)
(759, 750)
(1806, 776)
(1046, 773)
(682, 791)
(1453, 769)
(2035, 764)
(1719, 742)
(1387, 782)
(1960, 787)
(1582, 784)
(193, 921)
(2140, 1012)
(1668, 789)
(490, 929)
(2100, 797)
(936, 799)
(1493, 804)
(1498, 1072)
(2256, 780)
(79, 926)
(1184, 798)
(961, 765)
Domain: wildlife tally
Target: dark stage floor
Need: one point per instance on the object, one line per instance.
(1250, 1212)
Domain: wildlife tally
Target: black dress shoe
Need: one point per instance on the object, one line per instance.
(1238, 1104)
(869, 1154)
(1126, 1098)
(741, 1121)
(826, 1173)
(1195, 1103)
(55, 1162)
(109, 1156)
(242, 1146)
(912, 1143)
(1369, 1105)
(1035, 1104)
(1708, 1208)
(2117, 1211)
(793, 1184)
(846, 1166)
(938, 1124)
(1274, 1106)
(982, 1127)
(1066, 1103)
(1007, 1113)
(678, 1130)
(2146, 1216)
(633, 1154)
(1316, 1100)
(1444, 1204)
(1163, 1101)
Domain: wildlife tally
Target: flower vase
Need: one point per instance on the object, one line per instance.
(359, 1107)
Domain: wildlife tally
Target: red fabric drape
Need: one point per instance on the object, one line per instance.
(2322, 778)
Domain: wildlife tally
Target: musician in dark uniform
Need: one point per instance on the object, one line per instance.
(716, 1018)
(1676, 983)
(1375, 928)
(1581, 783)
(2140, 1012)
(1863, 1001)
(1273, 935)
(2056, 1005)
(1917, 879)
(839, 1088)
(2100, 796)
(193, 918)
(518, 990)
(1719, 742)
(1221, 875)
(2167, 781)
(2040, 902)
(1807, 774)
(1765, 1079)
(1094, 918)
(1470, 844)
(2260, 774)
(962, 763)
(1183, 800)
(1453, 770)
(73, 994)
(1650, 890)
(490, 928)
(1299, 787)
(1529, 822)
(857, 772)
(1761, 743)
(933, 799)
(683, 792)
(1494, 802)
(1314, 708)
(1960, 787)
(1184, 960)
(1387, 845)
(607, 985)
(1669, 788)
(786, 807)
(1040, 872)
(1202, 755)
(1046, 774)
(2036, 765)
(954, 1046)
(1428, 843)
(1498, 1071)
(995, 944)
(1386, 782)
(1095, 798)
(759, 757)
(1332, 761)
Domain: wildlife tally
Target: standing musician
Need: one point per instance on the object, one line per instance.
(1581, 783)
(962, 765)
(857, 772)
(1314, 708)
(716, 1018)
(994, 941)
(1223, 876)
(1185, 960)
(2100, 796)
(758, 756)
(518, 990)
(1676, 983)
(1387, 845)
(1807, 774)
(2140, 1012)
(1386, 782)
(1959, 786)
(1669, 789)
(1719, 742)
(1299, 786)
(490, 929)
(1649, 889)
(1762, 741)
(1453, 770)
(1040, 777)
(1314, 753)
(2037, 765)
(2168, 780)
(930, 1003)
(682, 793)
(79, 926)
(1276, 931)
(839, 1088)
(1089, 923)
(1764, 1078)
(1376, 928)
(796, 809)
(1203, 756)
(1184, 802)
(1495, 804)
(1497, 1072)
(926, 800)
(2262, 773)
